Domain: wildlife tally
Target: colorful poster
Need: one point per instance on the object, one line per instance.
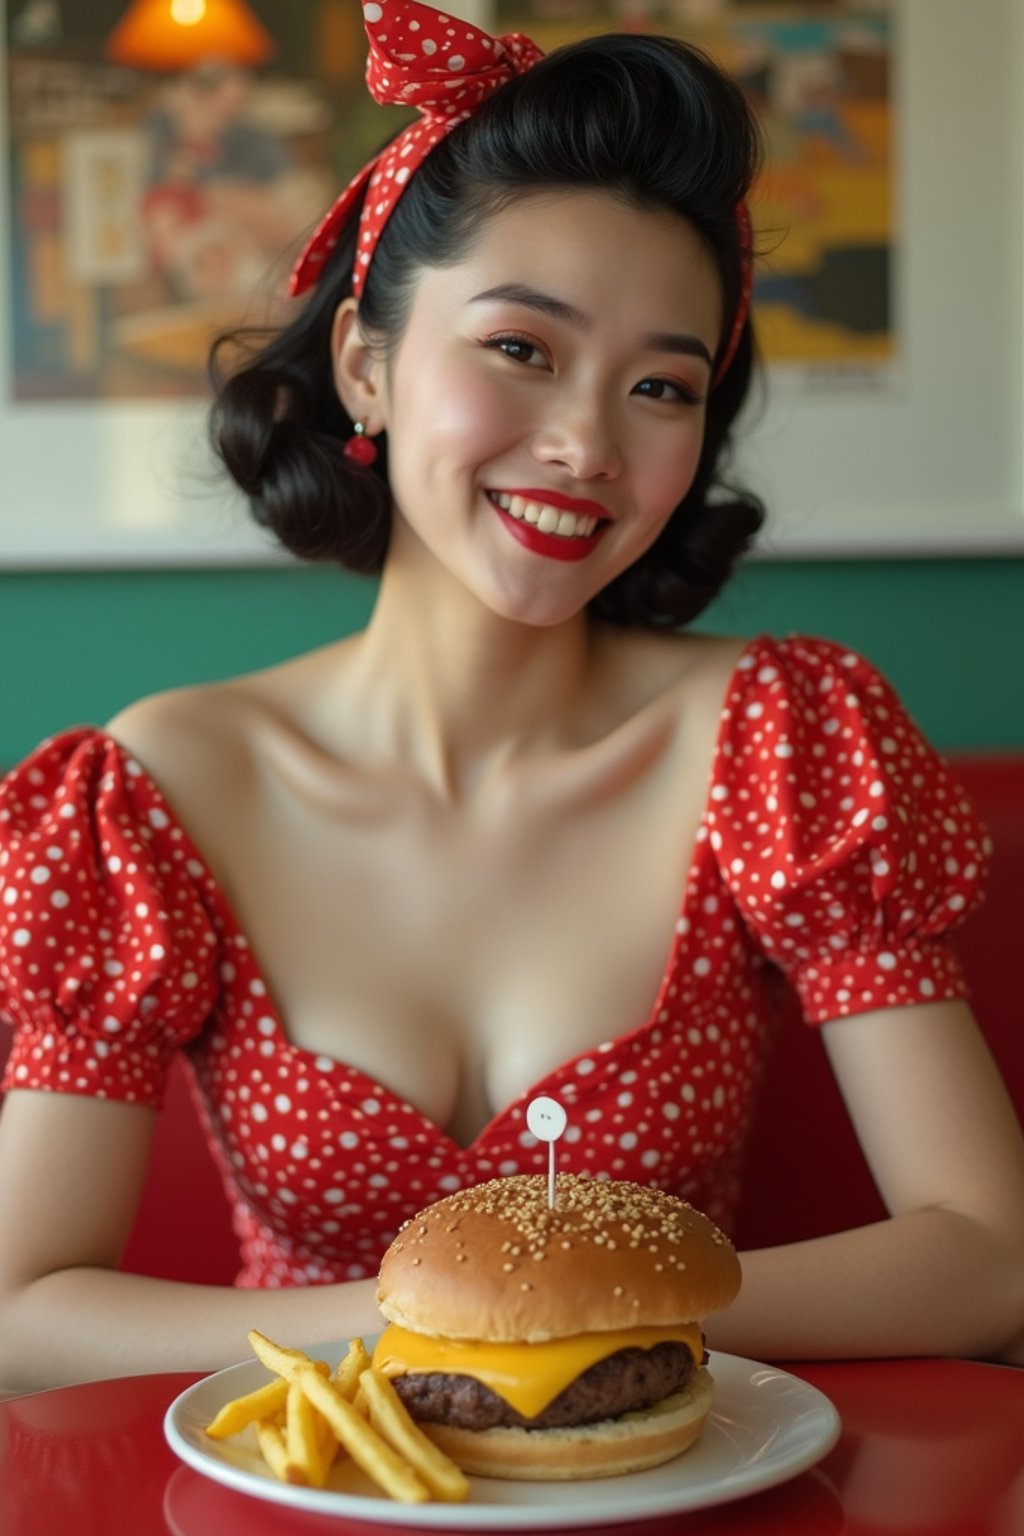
(820, 78)
(165, 158)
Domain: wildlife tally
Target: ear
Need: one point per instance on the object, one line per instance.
(359, 371)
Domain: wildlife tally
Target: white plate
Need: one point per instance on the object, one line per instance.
(766, 1426)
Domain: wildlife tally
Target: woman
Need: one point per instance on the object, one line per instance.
(524, 833)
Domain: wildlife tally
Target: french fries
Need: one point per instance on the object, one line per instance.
(390, 1417)
(308, 1415)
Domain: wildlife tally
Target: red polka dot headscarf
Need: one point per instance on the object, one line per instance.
(444, 67)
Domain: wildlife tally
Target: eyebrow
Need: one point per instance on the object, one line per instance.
(657, 341)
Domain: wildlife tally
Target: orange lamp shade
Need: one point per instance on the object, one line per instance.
(178, 34)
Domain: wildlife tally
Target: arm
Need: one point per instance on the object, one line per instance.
(945, 1273)
(71, 1172)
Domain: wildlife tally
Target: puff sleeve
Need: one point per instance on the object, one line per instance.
(107, 955)
(846, 842)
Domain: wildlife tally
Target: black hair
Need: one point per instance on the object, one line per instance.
(649, 119)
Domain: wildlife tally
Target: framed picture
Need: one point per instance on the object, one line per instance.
(889, 298)
(164, 161)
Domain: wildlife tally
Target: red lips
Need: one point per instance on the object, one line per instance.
(553, 546)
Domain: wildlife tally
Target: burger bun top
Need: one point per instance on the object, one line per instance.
(494, 1263)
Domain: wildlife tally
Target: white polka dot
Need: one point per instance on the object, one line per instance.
(456, 62)
(22, 938)
(370, 1106)
(158, 819)
(372, 11)
(886, 961)
(429, 46)
(40, 875)
(282, 1103)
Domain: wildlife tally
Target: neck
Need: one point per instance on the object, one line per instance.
(458, 690)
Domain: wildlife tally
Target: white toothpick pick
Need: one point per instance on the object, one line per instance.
(547, 1120)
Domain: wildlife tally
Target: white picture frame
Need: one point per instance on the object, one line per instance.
(929, 463)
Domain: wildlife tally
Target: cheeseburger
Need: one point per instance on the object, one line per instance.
(534, 1343)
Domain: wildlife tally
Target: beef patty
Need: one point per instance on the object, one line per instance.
(627, 1381)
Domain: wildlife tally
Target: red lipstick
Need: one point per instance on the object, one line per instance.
(552, 545)
(549, 544)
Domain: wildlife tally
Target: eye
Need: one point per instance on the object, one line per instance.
(669, 390)
(519, 349)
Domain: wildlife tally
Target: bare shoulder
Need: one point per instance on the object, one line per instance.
(691, 671)
(184, 730)
(196, 745)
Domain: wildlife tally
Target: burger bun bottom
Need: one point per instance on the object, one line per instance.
(607, 1449)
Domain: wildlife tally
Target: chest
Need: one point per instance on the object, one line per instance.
(459, 957)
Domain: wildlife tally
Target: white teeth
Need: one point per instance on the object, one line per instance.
(565, 525)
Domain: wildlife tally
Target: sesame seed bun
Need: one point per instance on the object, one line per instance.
(494, 1263)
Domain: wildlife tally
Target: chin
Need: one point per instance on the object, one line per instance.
(552, 1345)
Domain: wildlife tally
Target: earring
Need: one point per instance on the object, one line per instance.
(360, 448)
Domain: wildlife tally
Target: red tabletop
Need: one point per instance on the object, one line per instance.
(929, 1448)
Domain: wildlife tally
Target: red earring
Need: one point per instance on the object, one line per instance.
(360, 448)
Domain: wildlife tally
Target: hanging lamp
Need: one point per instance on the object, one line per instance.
(179, 34)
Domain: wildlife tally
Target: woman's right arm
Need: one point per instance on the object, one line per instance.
(71, 1174)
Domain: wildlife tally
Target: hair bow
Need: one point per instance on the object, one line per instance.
(423, 58)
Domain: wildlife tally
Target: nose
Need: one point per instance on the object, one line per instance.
(579, 435)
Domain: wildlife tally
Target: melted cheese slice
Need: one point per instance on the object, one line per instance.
(527, 1376)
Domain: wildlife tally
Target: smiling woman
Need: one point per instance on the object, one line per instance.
(525, 833)
(502, 400)
(492, 200)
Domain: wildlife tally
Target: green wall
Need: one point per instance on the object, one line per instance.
(77, 647)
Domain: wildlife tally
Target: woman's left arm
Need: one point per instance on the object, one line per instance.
(944, 1274)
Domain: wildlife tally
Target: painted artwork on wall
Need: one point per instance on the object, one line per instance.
(165, 158)
(819, 75)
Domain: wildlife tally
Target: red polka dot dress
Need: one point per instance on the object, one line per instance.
(835, 847)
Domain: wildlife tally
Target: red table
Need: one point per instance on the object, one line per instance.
(929, 1448)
